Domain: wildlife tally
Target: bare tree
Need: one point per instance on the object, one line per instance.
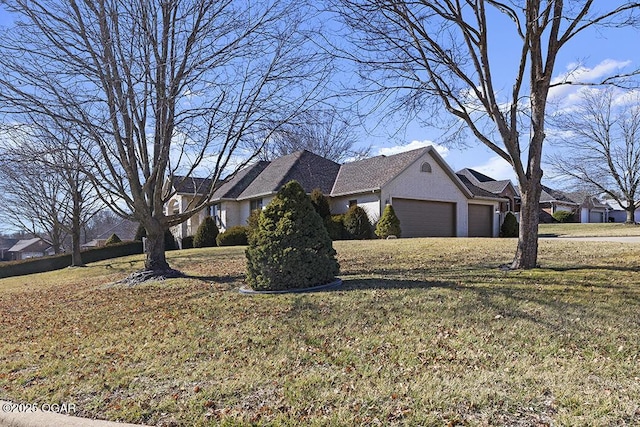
(161, 88)
(431, 56)
(323, 132)
(45, 187)
(601, 135)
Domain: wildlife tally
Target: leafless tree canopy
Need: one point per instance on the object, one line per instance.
(430, 56)
(45, 189)
(160, 87)
(323, 132)
(601, 135)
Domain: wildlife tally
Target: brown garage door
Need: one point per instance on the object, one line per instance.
(480, 221)
(419, 218)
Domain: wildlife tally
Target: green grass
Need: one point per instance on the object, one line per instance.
(588, 230)
(423, 332)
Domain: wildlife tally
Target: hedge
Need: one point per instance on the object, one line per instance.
(57, 262)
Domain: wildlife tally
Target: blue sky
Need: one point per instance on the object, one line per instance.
(600, 53)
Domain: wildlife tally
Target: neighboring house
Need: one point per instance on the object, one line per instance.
(552, 201)
(591, 209)
(30, 248)
(618, 214)
(428, 197)
(5, 244)
(124, 229)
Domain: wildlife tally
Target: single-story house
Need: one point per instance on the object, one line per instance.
(618, 214)
(124, 229)
(6, 243)
(591, 209)
(30, 248)
(552, 201)
(428, 197)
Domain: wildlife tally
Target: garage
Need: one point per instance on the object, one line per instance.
(420, 218)
(480, 220)
(596, 217)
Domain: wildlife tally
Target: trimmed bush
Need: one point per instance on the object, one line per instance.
(170, 243)
(187, 242)
(356, 223)
(389, 224)
(234, 236)
(335, 227)
(252, 223)
(510, 226)
(206, 234)
(563, 216)
(291, 248)
(112, 240)
(57, 262)
(320, 204)
(140, 233)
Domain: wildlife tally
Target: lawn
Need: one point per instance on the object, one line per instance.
(423, 332)
(588, 230)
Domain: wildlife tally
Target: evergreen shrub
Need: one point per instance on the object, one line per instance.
(206, 234)
(291, 247)
(389, 224)
(112, 240)
(564, 216)
(233, 236)
(357, 224)
(510, 227)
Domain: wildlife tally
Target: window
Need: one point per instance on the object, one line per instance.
(255, 204)
(215, 214)
(353, 203)
(426, 167)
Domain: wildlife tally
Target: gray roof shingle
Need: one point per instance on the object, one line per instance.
(483, 181)
(232, 187)
(373, 173)
(309, 169)
(477, 191)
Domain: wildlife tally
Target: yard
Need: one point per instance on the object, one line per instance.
(423, 332)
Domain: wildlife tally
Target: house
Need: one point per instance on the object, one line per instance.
(5, 244)
(552, 201)
(427, 196)
(591, 209)
(123, 228)
(30, 248)
(618, 214)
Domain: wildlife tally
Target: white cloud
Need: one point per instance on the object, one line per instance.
(497, 168)
(577, 73)
(413, 145)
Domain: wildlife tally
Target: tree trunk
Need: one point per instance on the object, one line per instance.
(155, 260)
(76, 256)
(527, 251)
(631, 214)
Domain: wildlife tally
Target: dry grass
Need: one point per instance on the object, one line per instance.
(424, 332)
(589, 230)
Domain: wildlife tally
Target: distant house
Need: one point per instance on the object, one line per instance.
(30, 248)
(618, 214)
(428, 197)
(6, 243)
(124, 229)
(591, 209)
(552, 201)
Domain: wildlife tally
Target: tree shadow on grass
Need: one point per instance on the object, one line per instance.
(388, 283)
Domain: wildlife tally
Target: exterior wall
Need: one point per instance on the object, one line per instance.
(370, 202)
(244, 209)
(229, 215)
(436, 186)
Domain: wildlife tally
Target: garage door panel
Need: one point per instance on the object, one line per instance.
(480, 220)
(419, 218)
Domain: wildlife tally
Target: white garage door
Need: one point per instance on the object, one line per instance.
(419, 218)
(480, 221)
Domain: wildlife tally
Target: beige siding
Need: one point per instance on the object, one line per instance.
(435, 186)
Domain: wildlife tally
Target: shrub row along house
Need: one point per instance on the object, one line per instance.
(429, 198)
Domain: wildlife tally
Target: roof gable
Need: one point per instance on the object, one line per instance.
(373, 173)
(190, 185)
(309, 169)
(36, 243)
